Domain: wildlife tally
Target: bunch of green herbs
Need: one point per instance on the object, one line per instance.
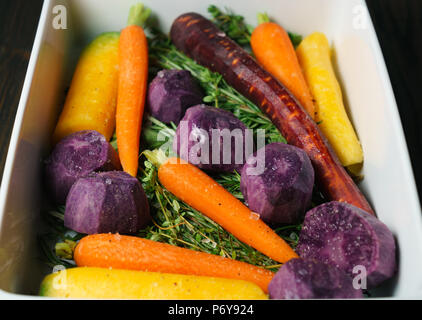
(174, 221)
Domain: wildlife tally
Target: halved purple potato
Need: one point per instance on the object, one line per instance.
(104, 202)
(194, 140)
(75, 156)
(283, 191)
(310, 279)
(345, 236)
(170, 93)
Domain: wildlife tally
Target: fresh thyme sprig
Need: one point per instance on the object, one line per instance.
(233, 25)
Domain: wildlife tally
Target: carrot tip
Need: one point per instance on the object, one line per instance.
(262, 17)
(138, 15)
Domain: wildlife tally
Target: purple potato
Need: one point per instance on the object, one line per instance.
(283, 191)
(345, 236)
(170, 93)
(104, 202)
(75, 156)
(310, 279)
(194, 140)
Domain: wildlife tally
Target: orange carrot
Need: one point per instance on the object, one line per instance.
(197, 189)
(133, 76)
(133, 253)
(275, 52)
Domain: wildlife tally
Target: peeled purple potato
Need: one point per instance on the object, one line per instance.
(194, 139)
(105, 202)
(345, 236)
(310, 279)
(282, 192)
(75, 156)
(170, 93)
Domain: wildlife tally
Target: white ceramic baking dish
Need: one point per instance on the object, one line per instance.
(388, 183)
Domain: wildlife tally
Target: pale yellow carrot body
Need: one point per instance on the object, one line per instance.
(102, 283)
(314, 55)
(91, 101)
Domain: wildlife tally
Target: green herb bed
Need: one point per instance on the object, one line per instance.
(175, 222)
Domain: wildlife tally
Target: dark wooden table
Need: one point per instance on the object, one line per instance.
(398, 24)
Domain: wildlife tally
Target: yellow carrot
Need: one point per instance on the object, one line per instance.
(315, 58)
(102, 283)
(91, 101)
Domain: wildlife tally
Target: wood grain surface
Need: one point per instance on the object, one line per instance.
(18, 24)
(398, 24)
